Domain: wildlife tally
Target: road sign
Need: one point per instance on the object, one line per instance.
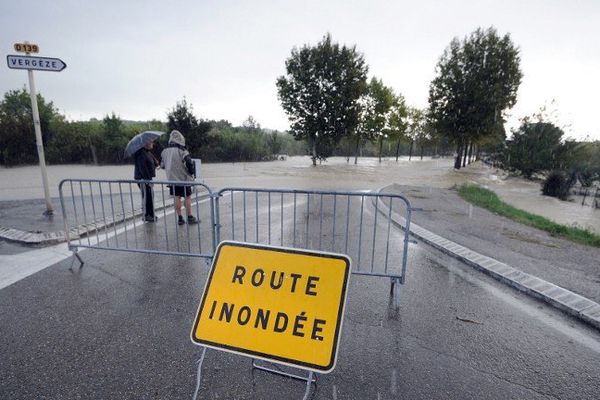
(35, 63)
(26, 48)
(274, 303)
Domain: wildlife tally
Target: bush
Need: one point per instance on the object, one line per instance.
(557, 184)
(232, 145)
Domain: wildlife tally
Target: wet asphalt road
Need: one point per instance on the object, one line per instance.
(119, 329)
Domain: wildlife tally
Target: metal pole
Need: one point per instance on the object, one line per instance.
(40, 144)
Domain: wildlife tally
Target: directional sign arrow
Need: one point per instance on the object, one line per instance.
(35, 63)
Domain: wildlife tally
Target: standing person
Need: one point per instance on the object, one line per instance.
(178, 165)
(145, 166)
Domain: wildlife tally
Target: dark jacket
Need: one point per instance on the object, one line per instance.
(145, 167)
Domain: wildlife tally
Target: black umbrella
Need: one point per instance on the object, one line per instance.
(140, 140)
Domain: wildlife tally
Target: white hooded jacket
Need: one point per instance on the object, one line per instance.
(173, 158)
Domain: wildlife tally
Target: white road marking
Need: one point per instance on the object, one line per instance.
(15, 267)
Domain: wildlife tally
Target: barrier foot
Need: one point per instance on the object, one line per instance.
(395, 293)
(312, 377)
(78, 257)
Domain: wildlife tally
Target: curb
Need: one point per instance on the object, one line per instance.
(55, 237)
(560, 298)
(32, 238)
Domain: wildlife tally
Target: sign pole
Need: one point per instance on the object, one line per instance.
(39, 142)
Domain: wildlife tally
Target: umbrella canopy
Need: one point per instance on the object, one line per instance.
(140, 140)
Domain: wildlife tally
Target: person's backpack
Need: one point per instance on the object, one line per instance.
(190, 166)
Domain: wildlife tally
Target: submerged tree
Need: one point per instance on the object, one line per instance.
(397, 122)
(476, 83)
(375, 113)
(320, 93)
(534, 147)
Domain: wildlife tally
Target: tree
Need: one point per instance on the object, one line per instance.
(182, 118)
(397, 121)
(251, 125)
(476, 83)
(73, 141)
(17, 136)
(320, 93)
(416, 131)
(113, 139)
(534, 147)
(376, 105)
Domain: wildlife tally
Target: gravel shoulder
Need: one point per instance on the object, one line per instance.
(573, 266)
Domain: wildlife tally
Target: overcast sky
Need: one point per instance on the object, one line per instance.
(138, 58)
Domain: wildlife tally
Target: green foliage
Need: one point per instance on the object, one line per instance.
(584, 161)
(182, 118)
(17, 136)
(489, 200)
(113, 139)
(376, 105)
(251, 125)
(557, 184)
(235, 145)
(320, 93)
(476, 82)
(73, 142)
(535, 147)
(397, 121)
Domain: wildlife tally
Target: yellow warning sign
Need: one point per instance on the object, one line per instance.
(279, 304)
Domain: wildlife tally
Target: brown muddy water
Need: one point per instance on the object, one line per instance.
(335, 174)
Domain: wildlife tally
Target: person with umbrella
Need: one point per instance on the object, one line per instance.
(140, 146)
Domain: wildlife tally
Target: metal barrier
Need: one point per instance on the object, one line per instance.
(354, 223)
(110, 215)
(592, 192)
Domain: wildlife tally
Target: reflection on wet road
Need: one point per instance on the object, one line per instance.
(119, 328)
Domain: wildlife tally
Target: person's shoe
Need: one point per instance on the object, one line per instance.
(180, 220)
(149, 218)
(192, 220)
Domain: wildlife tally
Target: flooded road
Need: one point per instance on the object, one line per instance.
(296, 172)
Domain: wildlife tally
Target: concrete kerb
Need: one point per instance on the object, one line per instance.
(560, 298)
(50, 238)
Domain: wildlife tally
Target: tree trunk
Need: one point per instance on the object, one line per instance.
(410, 149)
(477, 153)
(465, 148)
(314, 151)
(470, 148)
(397, 149)
(94, 156)
(422, 148)
(458, 157)
(356, 150)
(380, 147)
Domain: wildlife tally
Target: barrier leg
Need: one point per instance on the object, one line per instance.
(395, 293)
(78, 257)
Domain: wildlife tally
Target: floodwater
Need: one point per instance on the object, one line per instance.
(335, 174)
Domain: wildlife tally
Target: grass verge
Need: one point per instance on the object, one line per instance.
(489, 200)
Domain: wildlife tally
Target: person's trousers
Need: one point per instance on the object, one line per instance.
(147, 199)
